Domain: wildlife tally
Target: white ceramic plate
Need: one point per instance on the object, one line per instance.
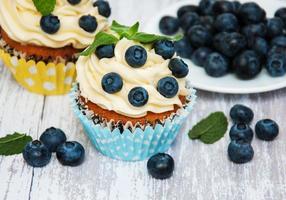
(229, 83)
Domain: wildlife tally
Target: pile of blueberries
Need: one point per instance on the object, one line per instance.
(230, 37)
(240, 149)
(38, 153)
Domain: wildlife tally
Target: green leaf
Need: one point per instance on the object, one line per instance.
(150, 38)
(100, 38)
(210, 129)
(45, 7)
(13, 144)
(125, 31)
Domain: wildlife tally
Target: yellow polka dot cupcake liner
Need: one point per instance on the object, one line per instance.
(39, 77)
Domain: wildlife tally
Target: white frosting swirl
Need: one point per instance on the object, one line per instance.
(21, 21)
(90, 71)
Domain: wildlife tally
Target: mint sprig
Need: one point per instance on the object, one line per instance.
(13, 144)
(210, 129)
(45, 7)
(124, 31)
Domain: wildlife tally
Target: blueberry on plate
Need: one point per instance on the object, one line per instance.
(169, 25)
(208, 22)
(183, 48)
(36, 154)
(178, 68)
(136, 56)
(254, 30)
(50, 24)
(241, 114)
(168, 87)
(199, 36)
(187, 8)
(279, 41)
(281, 13)
(188, 20)
(266, 129)
(240, 152)
(274, 27)
(247, 65)
(226, 22)
(241, 131)
(277, 50)
(103, 8)
(206, 6)
(105, 51)
(52, 138)
(200, 55)
(276, 64)
(220, 7)
(216, 65)
(74, 2)
(88, 23)
(111, 83)
(164, 48)
(70, 153)
(260, 46)
(251, 13)
(138, 96)
(161, 166)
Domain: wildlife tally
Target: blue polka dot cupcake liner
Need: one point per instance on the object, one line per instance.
(131, 145)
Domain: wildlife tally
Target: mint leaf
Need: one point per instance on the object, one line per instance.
(124, 31)
(100, 38)
(210, 129)
(13, 144)
(45, 7)
(150, 38)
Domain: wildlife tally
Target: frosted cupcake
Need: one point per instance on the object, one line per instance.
(40, 42)
(131, 97)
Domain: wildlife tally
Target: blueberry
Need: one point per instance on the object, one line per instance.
(199, 36)
(260, 46)
(187, 8)
(105, 51)
(88, 23)
(247, 65)
(138, 96)
(206, 6)
(274, 27)
(188, 20)
(161, 166)
(164, 48)
(251, 13)
(70, 153)
(103, 8)
(220, 7)
(112, 83)
(266, 129)
(169, 25)
(74, 2)
(200, 55)
(226, 22)
(36, 154)
(136, 56)
(208, 22)
(236, 5)
(168, 87)
(276, 64)
(178, 67)
(254, 30)
(240, 152)
(279, 41)
(52, 138)
(50, 24)
(241, 114)
(281, 13)
(241, 131)
(277, 50)
(216, 65)
(183, 48)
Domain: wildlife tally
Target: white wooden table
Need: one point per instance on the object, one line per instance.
(202, 171)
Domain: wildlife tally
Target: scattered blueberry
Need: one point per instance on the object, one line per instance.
(103, 8)
(138, 96)
(200, 55)
(52, 138)
(276, 64)
(187, 8)
(112, 83)
(216, 65)
(251, 13)
(188, 20)
(183, 48)
(240, 152)
(136, 56)
(178, 67)
(226, 22)
(199, 36)
(223, 6)
(206, 6)
(168, 87)
(241, 131)
(161, 166)
(50, 24)
(70, 153)
(164, 48)
(74, 2)
(241, 114)
(105, 51)
(281, 13)
(266, 129)
(274, 27)
(88, 23)
(169, 25)
(279, 41)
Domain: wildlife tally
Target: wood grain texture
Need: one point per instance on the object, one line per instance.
(202, 171)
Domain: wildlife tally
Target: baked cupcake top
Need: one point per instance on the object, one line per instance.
(72, 22)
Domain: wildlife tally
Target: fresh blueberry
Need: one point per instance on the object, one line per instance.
(187, 8)
(136, 56)
(281, 13)
(164, 48)
(216, 65)
(183, 48)
(206, 6)
(178, 67)
(277, 50)
(52, 138)
(50, 24)
(241, 114)
(168, 87)
(208, 22)
(161, 166)
(279, 41)
(169, 25)
(74, 2)
(259, 45)
(138, 96)
(220, 7)
(111, 83)
(36, 154)
(236, 5)
(241, 131)
(200, 55)
(247, 65)
(70, 153)
(188, 20)
(226, 22)
(103, 8)
(199, 36)
(254, 30)
(276, 64)
(274, 27)
(105, 51)
(266, 129)
(240, 152)
(88, 23)
(251, 13)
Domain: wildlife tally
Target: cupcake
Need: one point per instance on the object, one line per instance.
(40, 42)
(132, 97)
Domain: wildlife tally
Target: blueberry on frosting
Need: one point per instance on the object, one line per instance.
(164, 48)
(50, 24)
(105, 51)
(138, 96)
(168, 87)
(88, 23)
(136, 56)
(178, 67)
(112, 83)
(74, 2)
(103, 8)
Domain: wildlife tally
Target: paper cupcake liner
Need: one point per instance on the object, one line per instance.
(137, 145)
(39, 77)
